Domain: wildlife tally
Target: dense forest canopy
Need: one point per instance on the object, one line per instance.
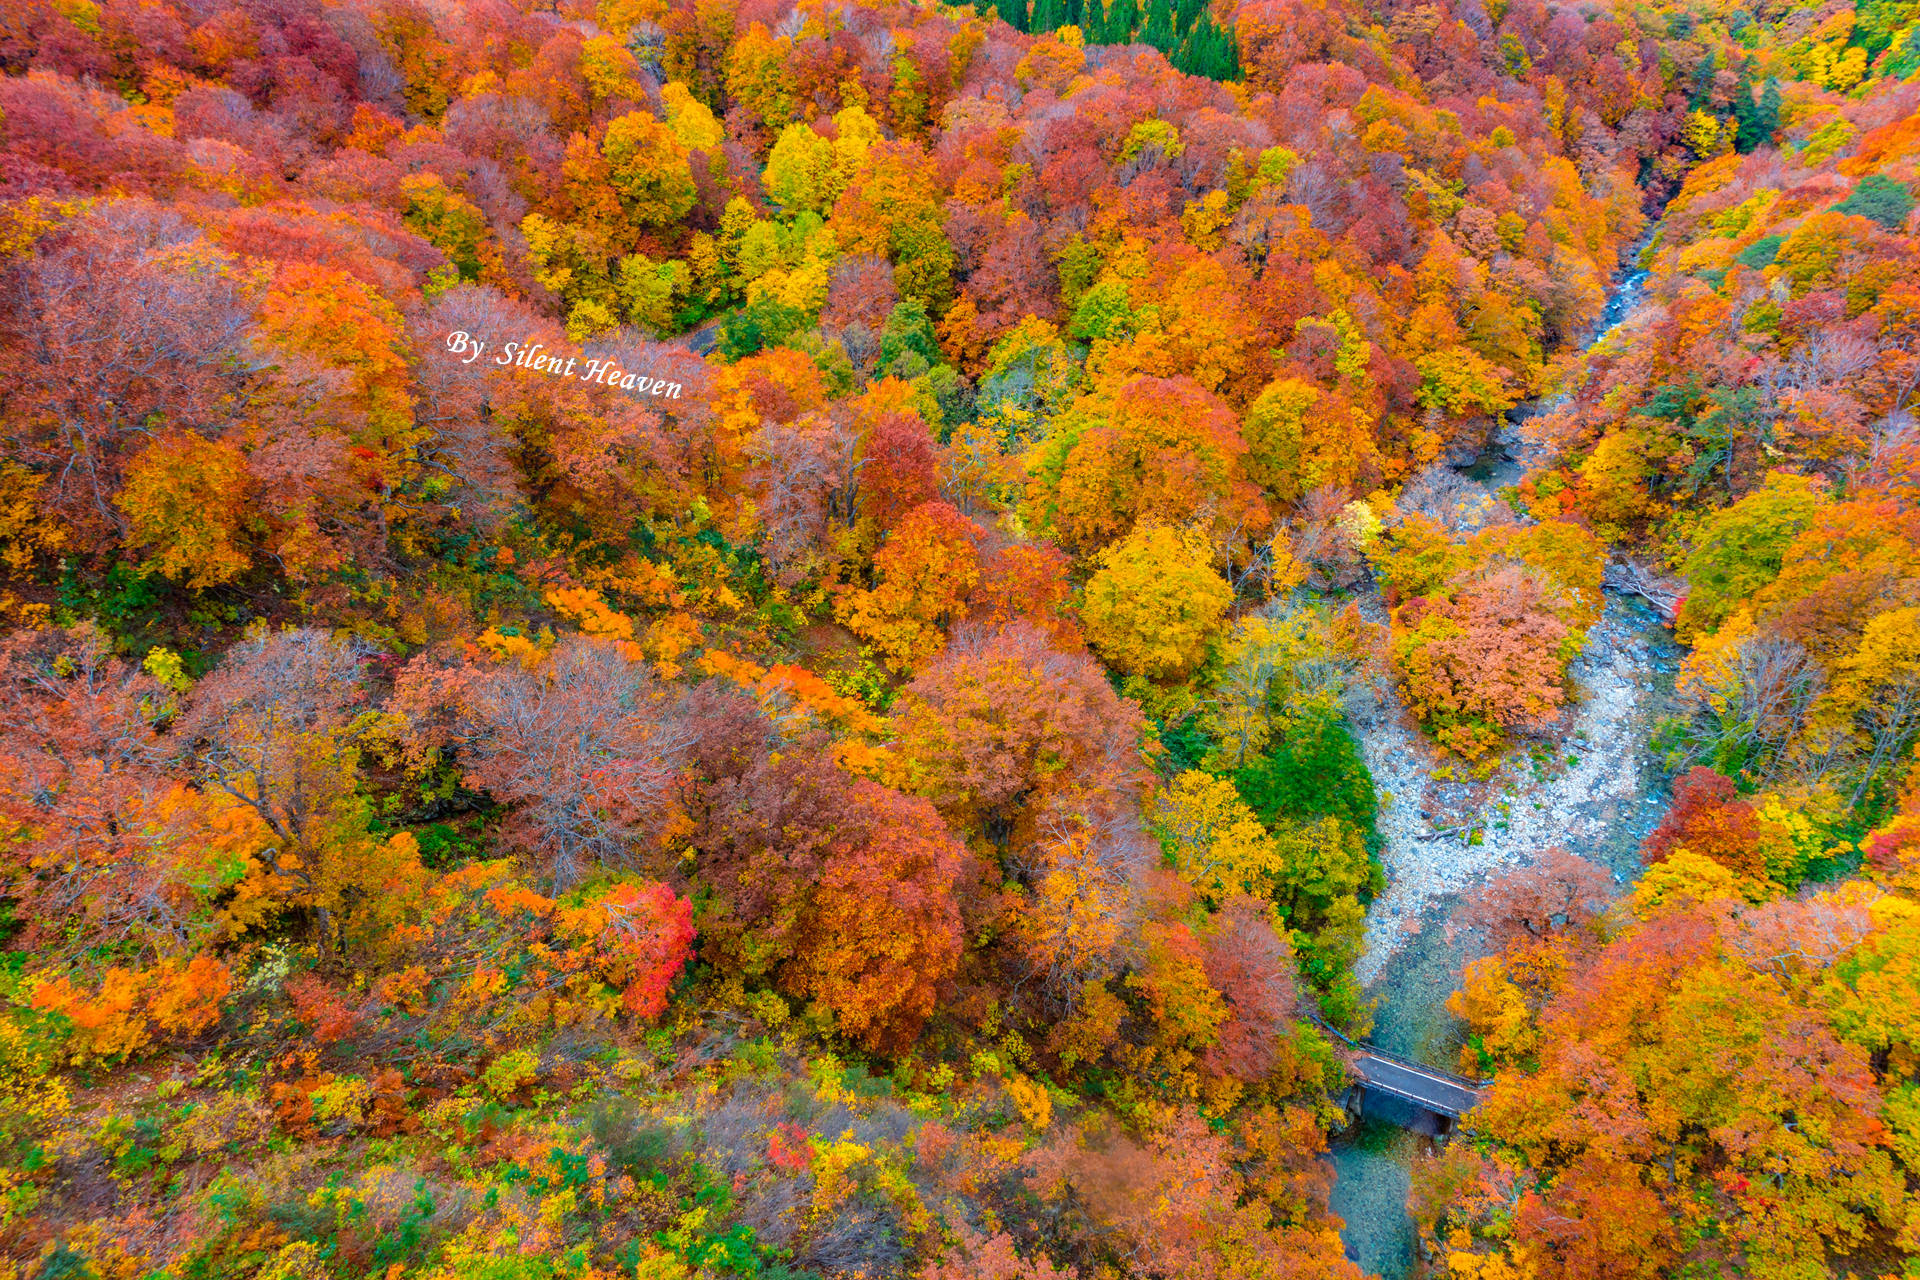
(680, 638)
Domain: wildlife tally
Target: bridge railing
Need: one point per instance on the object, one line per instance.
(1419, 1100)
(1411, 1064)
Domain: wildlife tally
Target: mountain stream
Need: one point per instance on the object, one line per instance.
(1595, 789)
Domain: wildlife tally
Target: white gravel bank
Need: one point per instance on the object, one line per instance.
(1574, 789)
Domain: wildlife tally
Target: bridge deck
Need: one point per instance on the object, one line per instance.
(1424, 1086)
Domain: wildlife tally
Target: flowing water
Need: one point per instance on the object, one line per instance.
(1595, 790)
(1506, 459)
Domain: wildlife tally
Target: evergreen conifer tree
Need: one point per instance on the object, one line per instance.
(1207, 51)
(1769, 118)
(1220, 59)
(1756, 121)
(1703, 82)
(1159, 29)
(1746, 114)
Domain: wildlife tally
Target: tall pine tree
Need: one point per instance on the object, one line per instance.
(1703, 82)
(1208, 51)
(1199, 51)
(1099, 18)
(1746, 114)
(1756, 120)
(1769, 118)
(1159, 29)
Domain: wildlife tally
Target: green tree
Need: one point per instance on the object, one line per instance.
(1159, 28)
(908, 347)
(1739, 550)
(764, 322)
(449, 221)
(1755, 121)
(1314, 770)
(1880, 198)
(1768, 118)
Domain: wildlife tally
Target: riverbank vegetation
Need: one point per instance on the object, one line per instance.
(1718, 1071)
(890, 808)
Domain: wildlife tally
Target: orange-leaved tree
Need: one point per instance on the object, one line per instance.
(1157, 449)
(882, 929)
(1001, 722)
(921, 580)
(1300, 437)
(830, 888)
(1486, 661)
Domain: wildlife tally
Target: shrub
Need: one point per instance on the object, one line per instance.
(1880, 198)
(764, 322)
(1313, 771)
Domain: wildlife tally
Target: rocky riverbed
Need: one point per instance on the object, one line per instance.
(1589, 788)
(1593, 787)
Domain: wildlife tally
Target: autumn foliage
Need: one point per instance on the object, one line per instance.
(689, 637)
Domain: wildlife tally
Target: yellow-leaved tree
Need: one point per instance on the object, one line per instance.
(1273, 664)
(1496, 1010)
(807, 172)
(185, 498)
(638, 177)
(1155, 601)
(1300, 437)
(692, 123)
(1217, 844)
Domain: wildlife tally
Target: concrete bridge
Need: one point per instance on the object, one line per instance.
(1438, 1093)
